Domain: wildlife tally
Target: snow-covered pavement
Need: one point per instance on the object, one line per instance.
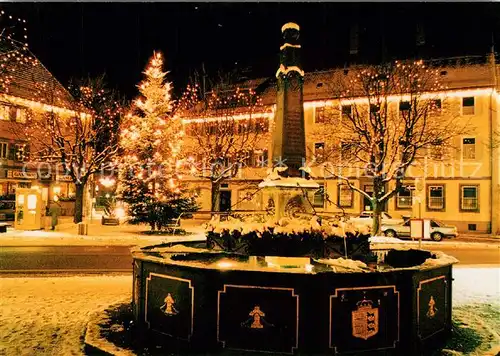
(47, 315)
(476, 285)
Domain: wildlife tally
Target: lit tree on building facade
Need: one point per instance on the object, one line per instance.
(81, 140)
(224, 129)
(388, 118)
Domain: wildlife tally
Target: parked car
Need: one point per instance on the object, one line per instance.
(7, 210)
(366, 218)
(438, 230)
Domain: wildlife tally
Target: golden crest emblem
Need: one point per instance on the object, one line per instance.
(432, 311)
(256, 319)
(365, 320)
(257, 314)
(169, 306)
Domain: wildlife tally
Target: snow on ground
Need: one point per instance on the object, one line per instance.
(47, 315)
(476, 285)
(123, 235)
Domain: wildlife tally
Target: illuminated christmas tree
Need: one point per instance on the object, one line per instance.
(151, 140)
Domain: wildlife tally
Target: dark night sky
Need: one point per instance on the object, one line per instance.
(77, 39)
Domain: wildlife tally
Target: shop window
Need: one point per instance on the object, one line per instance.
(435, 197)
(469, 198)
(468, 105)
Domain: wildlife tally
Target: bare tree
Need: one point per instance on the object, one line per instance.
(82, 140)
(224, 130)
(389, 116)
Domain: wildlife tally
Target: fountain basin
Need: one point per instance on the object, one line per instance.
(211, 300)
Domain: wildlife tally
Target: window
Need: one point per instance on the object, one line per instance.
(3, 150)
(346, 111)
(469, 148)
(21, 115)
(4, 112)
(21, 152)
(404, 197)
(468, 105)
(469, 198)
(347, 149)
(261, 158)
(211, 129)
(435, 197)
(12, 113)
(374, 110)
(319, 196)
(319, 115)
(437, 150)
(404, 107)
(243, 127)
(471, 227)
(435, 106)
(434, 223)
(319, 151)
(345, 196)
(261, 126)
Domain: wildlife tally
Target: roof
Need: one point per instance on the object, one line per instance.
(29, 79)
(456, 73)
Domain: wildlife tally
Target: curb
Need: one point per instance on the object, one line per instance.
(433, 246)
(94, 343)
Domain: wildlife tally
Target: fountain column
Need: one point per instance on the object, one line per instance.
(289, 142)
(287, 183)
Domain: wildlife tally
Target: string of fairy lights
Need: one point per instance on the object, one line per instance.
(14, 49)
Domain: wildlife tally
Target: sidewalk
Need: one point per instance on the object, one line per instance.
(99, 235)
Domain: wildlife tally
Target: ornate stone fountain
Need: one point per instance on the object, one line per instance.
(200, 299)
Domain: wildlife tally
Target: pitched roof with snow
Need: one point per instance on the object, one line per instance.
(28, 77)
(456, 73)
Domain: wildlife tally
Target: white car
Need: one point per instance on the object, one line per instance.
(366, 218)
(438, 230)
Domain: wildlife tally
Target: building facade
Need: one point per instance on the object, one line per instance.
(460, 186)
(28, 88)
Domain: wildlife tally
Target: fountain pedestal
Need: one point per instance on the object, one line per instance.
(288, 195)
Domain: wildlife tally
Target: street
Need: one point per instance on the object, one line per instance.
(99, 259)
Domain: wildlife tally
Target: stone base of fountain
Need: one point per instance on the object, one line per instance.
(207, 301)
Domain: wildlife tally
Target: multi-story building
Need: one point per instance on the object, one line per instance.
(461, 187)
(28, 88)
